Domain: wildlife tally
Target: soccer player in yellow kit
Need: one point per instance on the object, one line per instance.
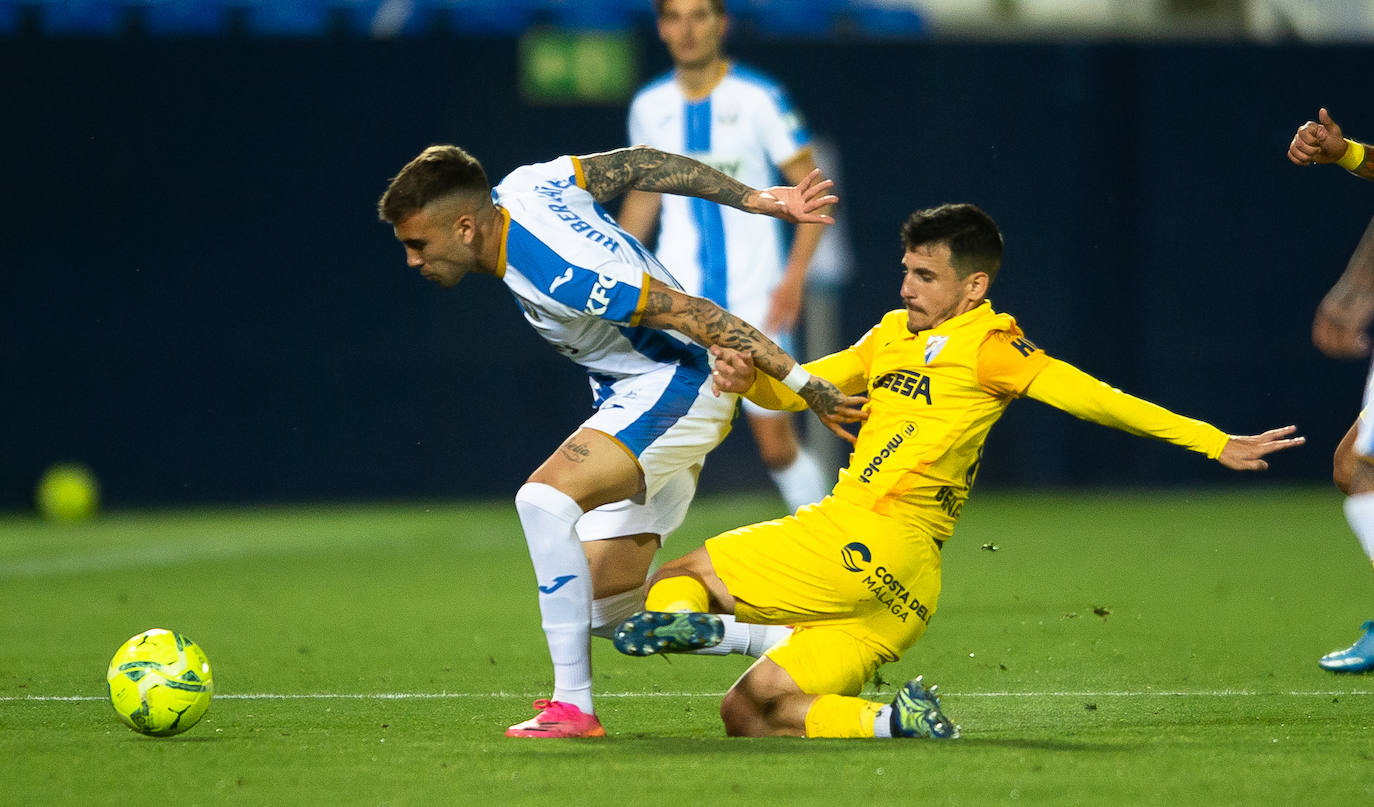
(858, 574)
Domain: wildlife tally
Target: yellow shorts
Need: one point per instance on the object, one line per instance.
(859, 587)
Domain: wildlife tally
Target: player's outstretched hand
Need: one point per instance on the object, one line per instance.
(1247, 452)
(797, 203)
(1318, 141)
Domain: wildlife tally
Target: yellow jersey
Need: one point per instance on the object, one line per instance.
(933, 397)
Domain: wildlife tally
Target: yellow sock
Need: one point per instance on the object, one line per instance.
(841, 716)
(681, 593)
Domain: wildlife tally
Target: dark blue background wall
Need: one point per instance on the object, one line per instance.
(197, 300)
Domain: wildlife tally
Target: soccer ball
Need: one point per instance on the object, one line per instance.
(160, 683)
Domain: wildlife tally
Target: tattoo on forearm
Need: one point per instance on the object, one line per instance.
(708, 324)
(611, 173)
(1365, 170)
(821, 396)
(1350, 302)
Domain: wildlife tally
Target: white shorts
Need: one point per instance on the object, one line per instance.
(659, 515)
(1364, 433)
(668, 420)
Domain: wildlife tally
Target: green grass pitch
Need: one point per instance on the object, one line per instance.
(1116, 648)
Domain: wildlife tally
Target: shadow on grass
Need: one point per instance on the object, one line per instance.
(658, 745)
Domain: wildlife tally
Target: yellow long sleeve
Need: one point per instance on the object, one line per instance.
(1068, 388)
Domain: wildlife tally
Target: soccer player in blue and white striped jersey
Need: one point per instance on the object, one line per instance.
(623, 480)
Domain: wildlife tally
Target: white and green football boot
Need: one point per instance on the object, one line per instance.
(650, 632)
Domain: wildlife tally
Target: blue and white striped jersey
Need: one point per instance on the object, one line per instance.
(745, 127)
(581, 280)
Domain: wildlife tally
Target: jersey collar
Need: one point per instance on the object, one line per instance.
(504, 236)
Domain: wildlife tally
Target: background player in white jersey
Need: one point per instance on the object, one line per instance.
(741, 123)
(1339, 330)
(601, 299)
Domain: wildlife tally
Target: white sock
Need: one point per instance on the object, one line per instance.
(736, 639)
(609, 612)
(882, 722)
(762, 637)
(746, 639)
(548, 517)
(1359, 512)
(802, 482)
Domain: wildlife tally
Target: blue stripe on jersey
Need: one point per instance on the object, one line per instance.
(664, 349)
(602, 387)
(575, 286)
(671, 406)
(706, 215)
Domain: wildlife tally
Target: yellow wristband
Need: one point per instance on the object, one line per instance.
(1353, 157)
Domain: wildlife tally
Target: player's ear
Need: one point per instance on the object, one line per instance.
(465, 227)
(977, 285)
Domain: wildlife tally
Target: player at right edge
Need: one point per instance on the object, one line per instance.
(1338, 330)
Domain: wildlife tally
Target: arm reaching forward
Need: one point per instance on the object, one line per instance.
(611, 173)
(1071, 390)
(708, 324)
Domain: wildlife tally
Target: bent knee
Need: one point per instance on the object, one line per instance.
(742, 716)
(736, 715)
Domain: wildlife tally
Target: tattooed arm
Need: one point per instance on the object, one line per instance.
(1346, 311)
(611, 173)
(708, 324)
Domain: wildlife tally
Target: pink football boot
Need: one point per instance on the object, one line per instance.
(558, 719)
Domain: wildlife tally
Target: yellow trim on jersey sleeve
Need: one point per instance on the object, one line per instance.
(505, 233)
(643, 299)
(578, 176)
(1068, 388)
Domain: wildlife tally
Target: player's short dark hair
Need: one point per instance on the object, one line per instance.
(437, 173)
(717, 6)
(975, 243)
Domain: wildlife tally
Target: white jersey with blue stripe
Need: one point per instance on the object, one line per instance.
(581, 280)
(745, 127)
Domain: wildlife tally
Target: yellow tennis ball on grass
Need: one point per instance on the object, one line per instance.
(68, 492)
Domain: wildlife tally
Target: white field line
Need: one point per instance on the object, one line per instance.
(403, 696)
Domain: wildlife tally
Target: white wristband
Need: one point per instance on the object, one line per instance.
(796, 378)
